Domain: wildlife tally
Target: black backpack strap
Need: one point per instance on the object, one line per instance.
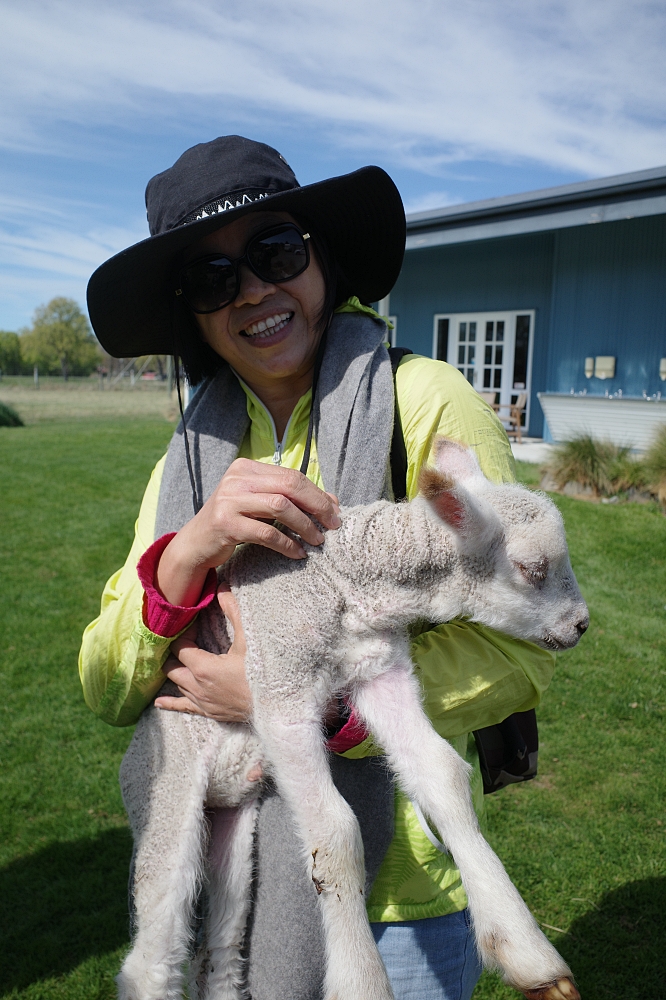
(398, 449)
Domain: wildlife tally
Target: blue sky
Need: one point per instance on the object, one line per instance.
(457, 99)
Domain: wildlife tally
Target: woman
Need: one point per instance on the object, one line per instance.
(258, 285)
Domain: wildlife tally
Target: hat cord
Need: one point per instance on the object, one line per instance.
(196, 502)
(314, 405)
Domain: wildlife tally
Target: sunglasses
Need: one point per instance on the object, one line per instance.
(275, 255)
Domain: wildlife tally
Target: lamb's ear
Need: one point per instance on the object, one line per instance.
(473, 520)
(454, 460)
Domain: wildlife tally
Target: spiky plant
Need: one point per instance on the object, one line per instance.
(626, 472)
(589, 462)
(655, 464)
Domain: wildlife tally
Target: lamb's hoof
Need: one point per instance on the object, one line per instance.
(563, 989)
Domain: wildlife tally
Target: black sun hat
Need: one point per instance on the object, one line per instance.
(131, 297)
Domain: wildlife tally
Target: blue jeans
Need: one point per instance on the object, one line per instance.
(431, 959)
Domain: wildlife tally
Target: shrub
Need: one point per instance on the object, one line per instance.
(608, 468)
(588, 462)
(655, 464)
(627, 473)
(9, 417)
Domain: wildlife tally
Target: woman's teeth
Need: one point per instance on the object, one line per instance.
(268, 327)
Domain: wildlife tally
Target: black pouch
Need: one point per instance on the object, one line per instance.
(509, 751)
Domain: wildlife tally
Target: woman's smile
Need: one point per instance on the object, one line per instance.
(265, 332)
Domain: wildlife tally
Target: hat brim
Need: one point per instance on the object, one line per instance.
(131, 296)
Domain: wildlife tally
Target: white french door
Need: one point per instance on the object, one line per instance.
(493, 350)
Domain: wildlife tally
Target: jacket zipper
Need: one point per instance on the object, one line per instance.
(279, 445)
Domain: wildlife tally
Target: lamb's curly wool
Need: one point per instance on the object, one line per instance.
(336, 623)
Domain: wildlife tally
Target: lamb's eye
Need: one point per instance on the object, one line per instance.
(534, 572)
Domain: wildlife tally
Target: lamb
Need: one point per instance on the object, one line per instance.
(332, 624)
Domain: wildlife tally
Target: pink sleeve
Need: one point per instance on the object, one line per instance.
(352, 733)
(159, 616)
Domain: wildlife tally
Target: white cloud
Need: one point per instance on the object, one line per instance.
(432, 199)
(47, 250)
(577, 86)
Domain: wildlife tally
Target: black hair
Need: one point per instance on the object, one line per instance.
(199, 359)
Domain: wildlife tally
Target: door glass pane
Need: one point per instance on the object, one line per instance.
(499, 351)
(522, 350)
(489, 354)
(489, 330)
(442, 339)
(470, 376)
(472, 331)
(500, 329)
(461, 354)
(471, 350)
(462, 332)
(497, 382)
(486, 378)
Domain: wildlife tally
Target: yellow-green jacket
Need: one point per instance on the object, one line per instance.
(472, 677)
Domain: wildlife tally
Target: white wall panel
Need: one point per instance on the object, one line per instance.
(626, 421)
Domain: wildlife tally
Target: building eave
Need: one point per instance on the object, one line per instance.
(611, 199)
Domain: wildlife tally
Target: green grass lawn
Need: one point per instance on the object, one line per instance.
(584, 842)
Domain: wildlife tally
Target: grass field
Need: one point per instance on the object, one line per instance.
(82, 399)
(584, 842)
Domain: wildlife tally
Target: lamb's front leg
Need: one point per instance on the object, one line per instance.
(436, 778)
(333, 852)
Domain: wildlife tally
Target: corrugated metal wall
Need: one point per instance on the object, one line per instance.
(596, 290)
(511, 273)
(609, 297)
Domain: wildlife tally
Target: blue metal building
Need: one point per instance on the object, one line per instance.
(558, 293)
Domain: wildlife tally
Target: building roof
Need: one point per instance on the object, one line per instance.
(625, 196)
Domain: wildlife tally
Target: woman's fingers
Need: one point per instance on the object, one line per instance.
(198, 662)
(183, 704)
(215, 683)
(257, 477)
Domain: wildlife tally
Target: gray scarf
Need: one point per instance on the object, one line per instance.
(353, 427)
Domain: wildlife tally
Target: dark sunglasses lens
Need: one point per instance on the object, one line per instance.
(209, 284)
(278, 256)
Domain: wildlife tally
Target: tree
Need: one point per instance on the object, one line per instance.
(10, 353)
(60, 339)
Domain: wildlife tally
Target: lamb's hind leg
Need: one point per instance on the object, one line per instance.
(333, 855)
(169, 833)
(230, 880)
(434, 776)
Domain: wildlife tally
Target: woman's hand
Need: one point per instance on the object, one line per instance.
(249, 496)
(212, 684)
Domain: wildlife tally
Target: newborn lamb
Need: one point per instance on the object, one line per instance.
(336, 624)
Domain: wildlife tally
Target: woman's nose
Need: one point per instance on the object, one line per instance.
(252, 288)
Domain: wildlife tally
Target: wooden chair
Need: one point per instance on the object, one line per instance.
(489, 397)
(515, 416)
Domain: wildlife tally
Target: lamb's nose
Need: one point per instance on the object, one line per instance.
(582, 626)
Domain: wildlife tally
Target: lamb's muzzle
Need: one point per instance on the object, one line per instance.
(336, 624)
